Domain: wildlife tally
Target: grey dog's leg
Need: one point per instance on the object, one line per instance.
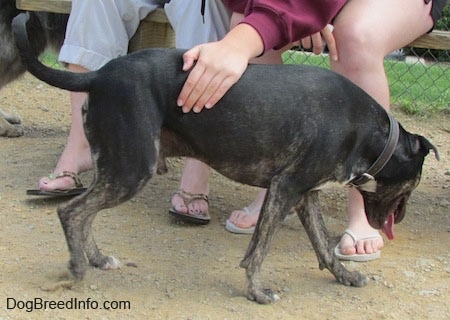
(310, 215)
(76, 218)
(273, 212)
(95, 257)
(73, 217)
(108, 189)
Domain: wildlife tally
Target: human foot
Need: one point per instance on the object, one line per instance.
(243, 221)
(363, 245)
(57, 181)
(190, 207)
(190, 202)
(75, 188)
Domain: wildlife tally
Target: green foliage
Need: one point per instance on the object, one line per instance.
(418, 88)
(444, 22)
(51, 60)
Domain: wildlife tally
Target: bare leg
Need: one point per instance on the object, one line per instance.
(194, 180)
(365, 32)
(76, 156)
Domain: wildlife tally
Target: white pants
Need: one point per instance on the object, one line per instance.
(190, 30)
(100, 30)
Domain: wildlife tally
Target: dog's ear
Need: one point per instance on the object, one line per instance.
(424, 146)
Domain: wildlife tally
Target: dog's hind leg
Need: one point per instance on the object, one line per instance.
(73, 216)
(310, 214)
(95, 257)
(78, 215)
(276, 206)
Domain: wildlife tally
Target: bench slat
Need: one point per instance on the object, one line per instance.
(437, 39)
(56, 6)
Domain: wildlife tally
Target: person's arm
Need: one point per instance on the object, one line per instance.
(282, 22)
(268, 25)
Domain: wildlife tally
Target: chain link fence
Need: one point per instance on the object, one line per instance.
(419, 79)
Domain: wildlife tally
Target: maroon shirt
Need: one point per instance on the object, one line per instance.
(280, 22)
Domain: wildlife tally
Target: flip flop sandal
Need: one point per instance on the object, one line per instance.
(231, 227)
(357, 257)
(76, 190)
(201, 218)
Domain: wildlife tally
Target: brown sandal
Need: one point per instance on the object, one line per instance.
(200, 218)
(76, 190)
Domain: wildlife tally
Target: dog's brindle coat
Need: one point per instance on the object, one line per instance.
(46, 31)
(290, 129)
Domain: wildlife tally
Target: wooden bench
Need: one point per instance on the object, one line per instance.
(154, 31)
(437, 39)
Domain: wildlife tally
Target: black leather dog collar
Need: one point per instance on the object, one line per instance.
(384, 157)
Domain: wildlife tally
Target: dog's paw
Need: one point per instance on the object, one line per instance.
(353, 278)
(12, 119)
(263, 296)
(12, 131)
(110, 263)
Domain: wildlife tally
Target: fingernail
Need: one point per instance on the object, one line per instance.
(208, 106)
(180, 102)
(185, 110)
(334, 57)
(197, 109)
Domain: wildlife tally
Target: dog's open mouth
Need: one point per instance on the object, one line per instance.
(395, 215)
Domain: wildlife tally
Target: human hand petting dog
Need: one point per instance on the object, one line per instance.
(221, 64)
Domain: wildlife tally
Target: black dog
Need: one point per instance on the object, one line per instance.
(291, 129)
(46, 31)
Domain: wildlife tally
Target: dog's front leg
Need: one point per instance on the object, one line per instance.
(274, 210)
(310, 215)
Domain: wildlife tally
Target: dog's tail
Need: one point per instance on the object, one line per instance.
(62, 79)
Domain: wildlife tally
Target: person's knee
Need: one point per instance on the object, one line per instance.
(357, 45)
(353, 37)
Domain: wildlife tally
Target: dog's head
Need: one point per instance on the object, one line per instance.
(395, 183)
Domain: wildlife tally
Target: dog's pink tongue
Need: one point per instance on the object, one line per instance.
(388, 227)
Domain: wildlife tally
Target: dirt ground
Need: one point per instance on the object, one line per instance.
(178, 271)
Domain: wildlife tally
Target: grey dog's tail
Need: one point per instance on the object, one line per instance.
(62, 79)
